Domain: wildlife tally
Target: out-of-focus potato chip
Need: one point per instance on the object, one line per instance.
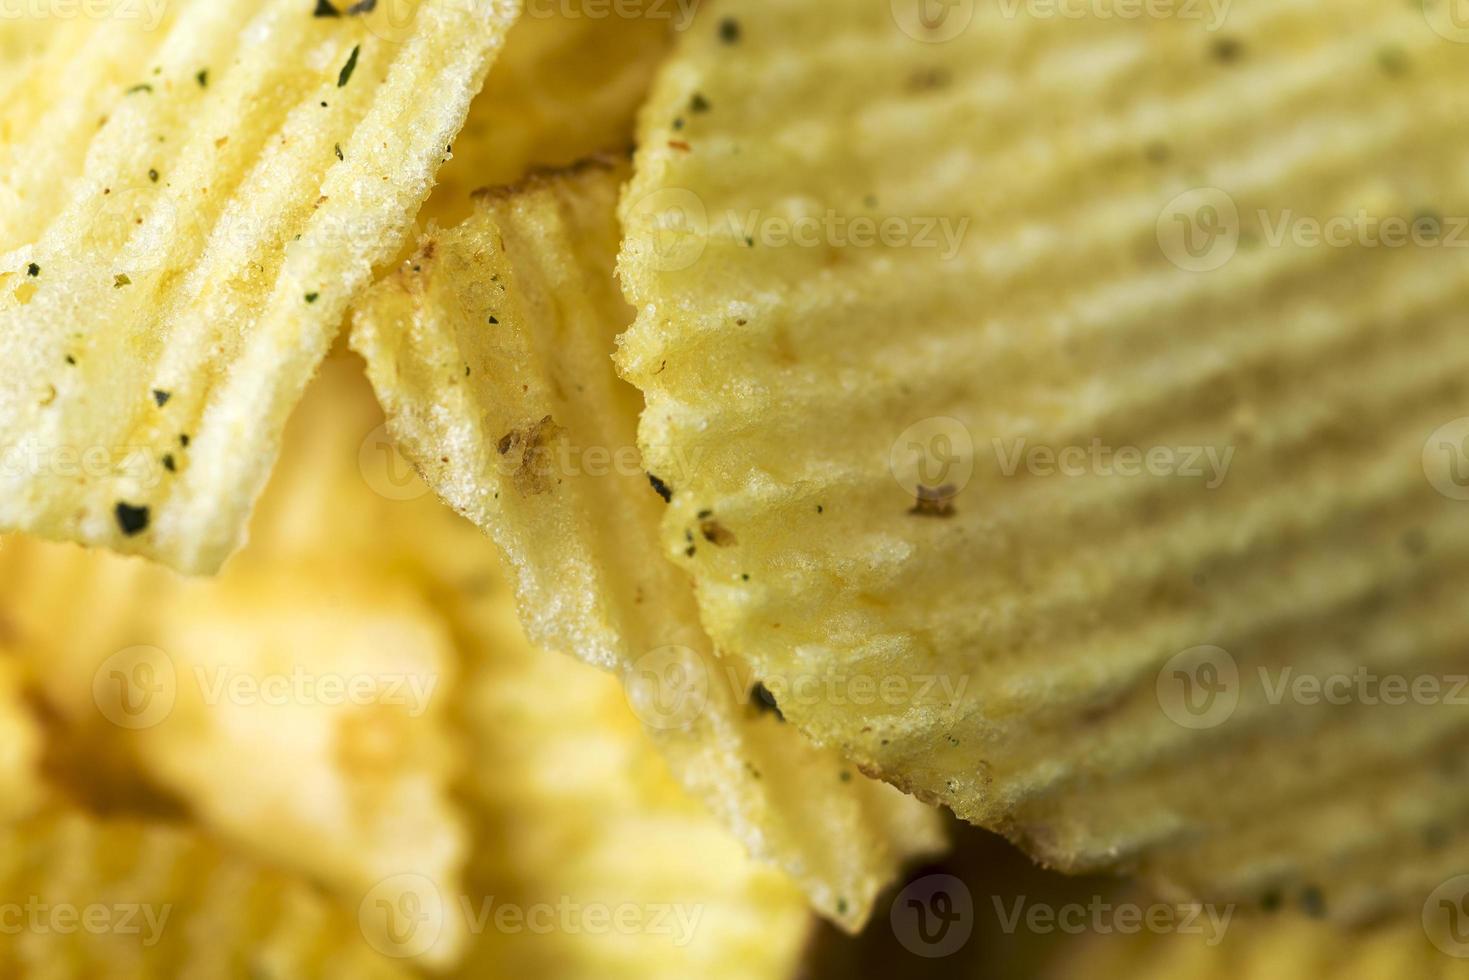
(20, 747)
(1016, 385)
(587, 859)
(170, 279)
(581, 830)
(566, 86)
(128, 898)
(490, 351)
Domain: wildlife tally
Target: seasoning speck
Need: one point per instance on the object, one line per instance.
(338, 148)
(144, 87)
(349, 67)
(33, 270)
(729, 30)
(132, 520)
(325, 9)
(312, 297)
(120, 280)
(168, 463)
(661, 488)
(161, 397)
(202, 77)
(153, 175)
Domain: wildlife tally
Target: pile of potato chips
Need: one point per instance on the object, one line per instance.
(594, 489)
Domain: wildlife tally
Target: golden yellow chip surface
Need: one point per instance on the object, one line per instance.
(189, 201)
(490, 351)
(1066, 417)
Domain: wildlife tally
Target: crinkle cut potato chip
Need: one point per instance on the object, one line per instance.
(162, 900)
(1020, 392)
(170, 279)
(490, 351)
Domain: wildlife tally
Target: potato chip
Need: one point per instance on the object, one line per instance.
(20, 748)
(85, 896)
(1075, 383)
(170, 279)
(490, 352)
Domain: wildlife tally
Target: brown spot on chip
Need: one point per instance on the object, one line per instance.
(716, 533)
(934, 501)
(527, 453)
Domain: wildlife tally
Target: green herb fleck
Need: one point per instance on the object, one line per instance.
(168, 463)
(349, 67)
(202, 77)
(120, 280)
(729, 30)
(698, 103)
(161, 397)
(325, 9)
(312, 297)
(153, 175)
(143, 87)
(338, 148)
(33, 270)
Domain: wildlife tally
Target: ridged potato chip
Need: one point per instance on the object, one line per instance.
(122, 897)
(1087, 389)
(490, 351)
(187, 208)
